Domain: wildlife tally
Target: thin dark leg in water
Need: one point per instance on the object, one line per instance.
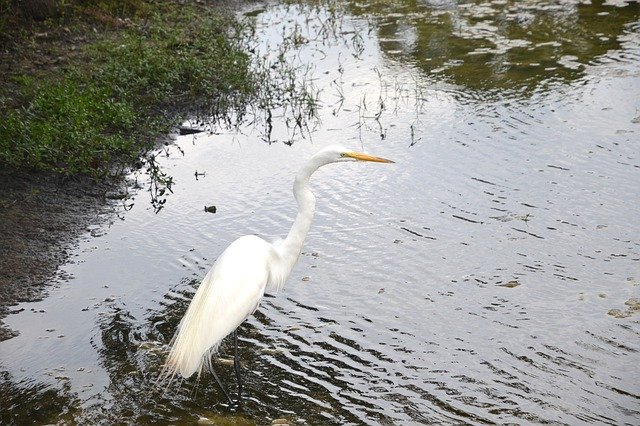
(236, 364)
(224, 390)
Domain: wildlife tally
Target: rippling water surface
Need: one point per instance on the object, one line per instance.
(491, 275)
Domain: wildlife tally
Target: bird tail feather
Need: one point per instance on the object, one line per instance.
(192, 345)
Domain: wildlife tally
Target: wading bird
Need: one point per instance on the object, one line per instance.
(233, 288)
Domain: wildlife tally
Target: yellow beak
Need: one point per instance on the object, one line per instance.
(366, 157)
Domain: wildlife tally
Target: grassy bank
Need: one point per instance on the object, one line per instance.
(95, 85)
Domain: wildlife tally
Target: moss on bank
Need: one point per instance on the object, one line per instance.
(96, 85)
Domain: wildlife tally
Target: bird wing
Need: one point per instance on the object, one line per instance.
(228, 294)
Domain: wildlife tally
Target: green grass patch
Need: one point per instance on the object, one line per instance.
(66, 127)
(124, 89)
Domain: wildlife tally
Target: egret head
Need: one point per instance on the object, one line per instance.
(334, 154)
(337, 153)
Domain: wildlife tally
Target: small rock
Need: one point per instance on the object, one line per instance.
(510, 284)
(617, 313)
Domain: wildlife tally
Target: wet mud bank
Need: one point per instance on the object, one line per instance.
(46, 199)
(41, 217)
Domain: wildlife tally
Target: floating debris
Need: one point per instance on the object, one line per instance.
(617, 313)
(633, 308)
(510, 217)
(210, 209)
(510, 284)
(186, 130)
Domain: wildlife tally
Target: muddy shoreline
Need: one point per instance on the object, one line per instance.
(42, 216)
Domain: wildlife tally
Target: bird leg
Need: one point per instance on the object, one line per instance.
(224, 390)
(236, 364)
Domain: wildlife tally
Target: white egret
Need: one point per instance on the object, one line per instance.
(233, 288)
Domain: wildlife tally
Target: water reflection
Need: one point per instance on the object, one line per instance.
(499, 46)
(32, 402)
(276, 371)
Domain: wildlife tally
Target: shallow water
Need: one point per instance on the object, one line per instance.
(474, 281)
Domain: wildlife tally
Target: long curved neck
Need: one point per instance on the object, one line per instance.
(291, 247)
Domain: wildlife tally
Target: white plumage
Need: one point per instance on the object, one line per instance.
(216, 310)
(233, 288)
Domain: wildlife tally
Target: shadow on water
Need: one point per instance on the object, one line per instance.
(30, 402)
(289, 382)
(131, 353)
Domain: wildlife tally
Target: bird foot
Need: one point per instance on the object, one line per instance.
(234, 405)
